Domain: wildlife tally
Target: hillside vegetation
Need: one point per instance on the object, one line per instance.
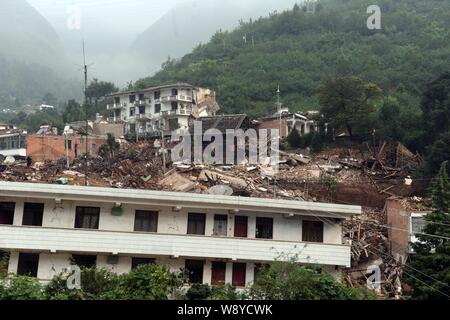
(299, 50)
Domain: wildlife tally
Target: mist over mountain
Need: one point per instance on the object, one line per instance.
(32, 59)
(194, 22)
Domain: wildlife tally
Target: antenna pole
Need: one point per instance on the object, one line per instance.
(86, 115)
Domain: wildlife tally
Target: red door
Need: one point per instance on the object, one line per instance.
(239, 270)
(240, 226)
(218, 273)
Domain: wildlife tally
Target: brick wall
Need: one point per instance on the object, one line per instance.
(50, 147)
(275, 124)
(397, 217)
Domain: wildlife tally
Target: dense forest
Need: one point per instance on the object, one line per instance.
(298, 50)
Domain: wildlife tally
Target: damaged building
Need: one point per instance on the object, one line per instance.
(164, 108)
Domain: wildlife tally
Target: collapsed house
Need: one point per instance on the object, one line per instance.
(286, 121)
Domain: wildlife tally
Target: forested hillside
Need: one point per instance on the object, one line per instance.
(299, 50)
(32, 61)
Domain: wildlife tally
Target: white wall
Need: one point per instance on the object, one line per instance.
(171, 222)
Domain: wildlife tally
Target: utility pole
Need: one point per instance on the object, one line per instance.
(86, 115)
(279, 137)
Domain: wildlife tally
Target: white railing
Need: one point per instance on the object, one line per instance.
(176, 98)
(136, 243)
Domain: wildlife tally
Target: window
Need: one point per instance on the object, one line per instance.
(84, 261)
(141, 109)
(141, 97)
(240, 226)
(195, 270)
(87, 217)
(117, 100)
(418, 223)
(136, 262)
(32, 214)
(264, 228)
(174, 105)
(7, 212)
(218, 270)
(132, 98)
(132, 112)
(146, 221)
(220, 225)
(157, 108)
(28, 264)
(239, 271)
(196, 223)
(157, 94)
(174, 92)
(312, 231)
(68, 145)
(173, 124)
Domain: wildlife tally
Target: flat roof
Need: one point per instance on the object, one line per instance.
(165, 198)
(180, 84)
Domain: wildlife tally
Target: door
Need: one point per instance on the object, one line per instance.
(240, 226)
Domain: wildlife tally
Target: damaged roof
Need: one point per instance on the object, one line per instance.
(223, 122)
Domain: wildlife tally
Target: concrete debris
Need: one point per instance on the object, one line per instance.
(208, 175)
(221, 190)
(177, 182)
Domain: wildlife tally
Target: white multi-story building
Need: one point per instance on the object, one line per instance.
(165, 108)
(219, 239)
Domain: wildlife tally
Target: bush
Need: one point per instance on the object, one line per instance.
(198, 292)
(291, 281)
(17, 287)
(95, 284)
(148, 282)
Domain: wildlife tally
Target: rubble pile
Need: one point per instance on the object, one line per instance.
(134, 167)
(350, 176)
(370, 247)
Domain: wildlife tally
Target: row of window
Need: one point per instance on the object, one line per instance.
(147, 221)
(141, 96)
(28, 265)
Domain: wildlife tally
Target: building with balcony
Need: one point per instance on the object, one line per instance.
(12, 141)
(163, 108)
(218, 239)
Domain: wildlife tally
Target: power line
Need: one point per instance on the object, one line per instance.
(430, 286)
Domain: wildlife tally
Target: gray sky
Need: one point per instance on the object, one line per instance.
(124, 16)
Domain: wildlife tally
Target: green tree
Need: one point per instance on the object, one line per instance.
(346, 102)
(436, 107)
(98, 90)
(294, 139)
(50, 99)
(148, 282)
(428, 268)
(291, 281)
(110, 149)
(16, 287)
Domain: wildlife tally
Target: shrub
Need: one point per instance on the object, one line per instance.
(17, 287)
